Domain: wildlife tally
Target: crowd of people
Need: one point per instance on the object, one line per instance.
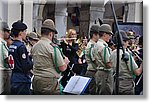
(33, 64)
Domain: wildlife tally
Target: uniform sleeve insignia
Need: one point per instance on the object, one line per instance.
(24, 56)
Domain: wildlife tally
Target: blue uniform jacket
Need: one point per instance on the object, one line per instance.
(22, 63)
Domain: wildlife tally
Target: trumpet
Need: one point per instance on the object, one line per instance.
(66, 39)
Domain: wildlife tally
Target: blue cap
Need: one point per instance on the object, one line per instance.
(19, 26)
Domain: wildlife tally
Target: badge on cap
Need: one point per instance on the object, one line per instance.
(24, 56)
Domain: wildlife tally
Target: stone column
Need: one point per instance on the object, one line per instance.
(28, 14)
(84, 20)
(96, 11)
(35, 16)
(61, 18)
(135, 12)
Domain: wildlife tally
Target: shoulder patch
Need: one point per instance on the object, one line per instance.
(13, 47)
(24, 56)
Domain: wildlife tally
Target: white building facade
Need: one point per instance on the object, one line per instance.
(10, 11)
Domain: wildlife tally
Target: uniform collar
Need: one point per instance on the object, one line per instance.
(46, 39)
(92, 41)
(2, 40)
(104, 43)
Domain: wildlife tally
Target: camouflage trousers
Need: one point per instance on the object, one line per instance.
(92, 85)
(45, 86)
(104, 82)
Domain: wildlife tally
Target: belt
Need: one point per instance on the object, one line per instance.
(125, 78)
(92, 70)
(105, 70)
(45, 77)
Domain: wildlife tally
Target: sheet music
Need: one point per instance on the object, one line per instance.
(77, 84)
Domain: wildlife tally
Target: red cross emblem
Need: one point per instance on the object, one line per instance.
(11, 62)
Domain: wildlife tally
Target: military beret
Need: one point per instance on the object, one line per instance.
(19, 25)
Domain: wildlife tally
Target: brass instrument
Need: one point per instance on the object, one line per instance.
(79, 41)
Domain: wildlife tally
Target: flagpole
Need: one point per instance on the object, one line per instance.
(22, 8)
(118, 52)
(119, 46)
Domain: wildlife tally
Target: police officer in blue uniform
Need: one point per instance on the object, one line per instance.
(19, 61)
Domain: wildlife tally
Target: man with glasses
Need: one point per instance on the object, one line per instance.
(19, 61)
(103, 76)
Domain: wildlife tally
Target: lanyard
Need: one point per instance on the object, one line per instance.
(55, 60)
(134, 76)
(56, 64)
(2, 50)
(55, 56)
(89, 54)
(105, 54)
(90, 51)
